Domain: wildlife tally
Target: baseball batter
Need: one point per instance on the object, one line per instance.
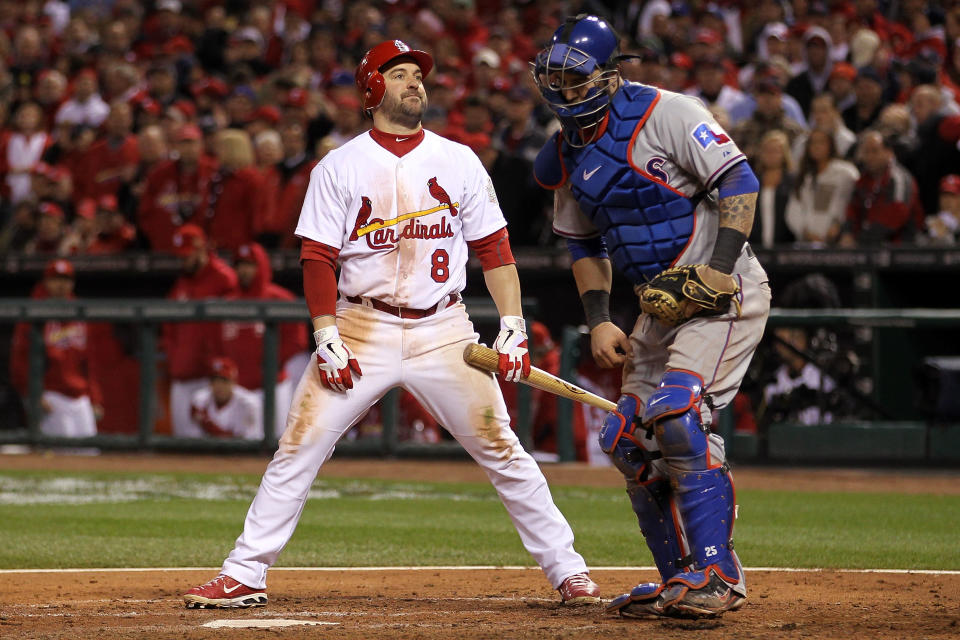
(397, 208)
(648, 181)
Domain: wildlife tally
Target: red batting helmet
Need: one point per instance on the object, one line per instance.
(370, 80)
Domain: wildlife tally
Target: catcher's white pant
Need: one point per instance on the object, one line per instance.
(70, 417)
(181, 397)
(426, 357)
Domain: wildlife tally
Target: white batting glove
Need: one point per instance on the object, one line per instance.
(511, 344)
(335, 360)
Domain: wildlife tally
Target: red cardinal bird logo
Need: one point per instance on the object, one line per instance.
(438, 192)
(362, 216)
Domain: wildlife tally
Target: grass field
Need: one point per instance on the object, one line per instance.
(77, 519)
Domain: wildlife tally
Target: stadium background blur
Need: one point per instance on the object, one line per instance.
(122, 121)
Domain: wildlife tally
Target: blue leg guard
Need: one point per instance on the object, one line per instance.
(702, 487)
(633, 449)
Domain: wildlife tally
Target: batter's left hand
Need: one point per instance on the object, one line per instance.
(511, 344)
(335, 360)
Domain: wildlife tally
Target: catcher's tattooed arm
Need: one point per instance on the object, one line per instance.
(736, 212)
(736, 220)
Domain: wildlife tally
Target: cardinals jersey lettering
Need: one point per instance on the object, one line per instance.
(401, 223)
(681, 146)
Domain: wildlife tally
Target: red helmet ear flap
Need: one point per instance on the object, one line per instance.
(375, 90)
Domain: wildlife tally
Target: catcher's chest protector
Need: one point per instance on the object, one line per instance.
(645, 223)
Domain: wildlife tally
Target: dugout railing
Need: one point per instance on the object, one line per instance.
(904, 417)
(147, 316)
(905, 434)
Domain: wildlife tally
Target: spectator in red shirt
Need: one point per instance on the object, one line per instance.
(269, 152)
(885, 206)
(53, 235)
(175, 191)
(113, 233)
(189, 345)
(111, 161)
(71, 399)
(152, 150)
(294, 176)
(235, 196)
(50, 93)
(243, 341)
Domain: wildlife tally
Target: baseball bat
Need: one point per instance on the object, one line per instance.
(487, 359)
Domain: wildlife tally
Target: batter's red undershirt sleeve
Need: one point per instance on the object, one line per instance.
(319, 277)
(494, 250)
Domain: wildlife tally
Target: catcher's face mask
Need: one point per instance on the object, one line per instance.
(577, 73)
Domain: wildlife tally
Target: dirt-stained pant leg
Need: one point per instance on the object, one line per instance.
(468, 403)
(318, 418)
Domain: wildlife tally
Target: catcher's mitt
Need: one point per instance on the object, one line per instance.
(677, 294)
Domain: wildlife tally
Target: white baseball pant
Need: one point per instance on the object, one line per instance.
(424, 356)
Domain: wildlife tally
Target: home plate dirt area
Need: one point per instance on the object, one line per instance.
(467, 603)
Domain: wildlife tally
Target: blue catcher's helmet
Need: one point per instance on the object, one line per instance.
(583, 45)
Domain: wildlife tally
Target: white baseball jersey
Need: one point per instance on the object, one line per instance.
(241, 416)
(683, 147)
(401, 223)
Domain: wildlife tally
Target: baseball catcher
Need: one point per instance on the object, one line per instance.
(645, 180)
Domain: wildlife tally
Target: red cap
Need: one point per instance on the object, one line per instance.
(244, 253)
(223, 368)
(707, 36)
(267, 112)
(844, 70)
(185, 239)
(950, 184)
(107, 202)
(51, 209)
(87, 208)
(212, 86)
(682, 60)
(347, 101)
(185, 107)
(189, 132)
(59, 267)
(296, 97)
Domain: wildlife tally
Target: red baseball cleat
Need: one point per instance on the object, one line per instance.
(224, 592)
(579, 589)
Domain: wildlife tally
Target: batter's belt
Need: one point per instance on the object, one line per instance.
(405, 312)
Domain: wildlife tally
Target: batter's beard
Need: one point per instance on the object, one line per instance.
(403, 113)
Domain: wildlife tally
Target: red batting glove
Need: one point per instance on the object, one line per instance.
(511, 344)
(336, 362)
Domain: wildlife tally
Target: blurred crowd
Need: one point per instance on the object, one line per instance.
(121, 121)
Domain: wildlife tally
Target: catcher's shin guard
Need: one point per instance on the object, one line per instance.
(633, 449)
(699, 476)
(652, 504)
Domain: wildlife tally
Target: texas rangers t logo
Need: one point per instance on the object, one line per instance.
(705, 136)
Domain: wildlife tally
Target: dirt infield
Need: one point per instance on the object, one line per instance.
(441, 604)
(476, 603)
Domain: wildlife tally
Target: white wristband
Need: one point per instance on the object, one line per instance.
(326, 334)
(514, 323)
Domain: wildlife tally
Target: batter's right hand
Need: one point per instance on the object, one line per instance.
(335, 360)
(610, 346)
